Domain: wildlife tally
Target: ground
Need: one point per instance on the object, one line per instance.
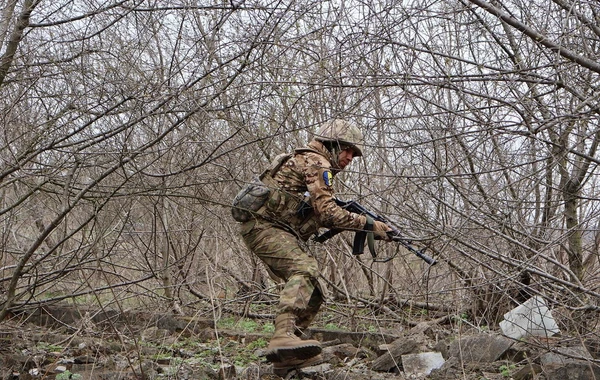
(62, 344)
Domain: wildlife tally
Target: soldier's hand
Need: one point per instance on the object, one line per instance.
(381, 230)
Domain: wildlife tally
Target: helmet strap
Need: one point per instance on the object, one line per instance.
(335, 148)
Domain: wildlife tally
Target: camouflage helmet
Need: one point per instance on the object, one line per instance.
(342, 131)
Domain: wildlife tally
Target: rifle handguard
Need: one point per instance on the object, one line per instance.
(368, 235)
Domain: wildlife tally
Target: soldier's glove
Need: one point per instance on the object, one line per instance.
(381, 230)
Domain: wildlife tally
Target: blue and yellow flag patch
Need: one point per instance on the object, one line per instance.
(328, 178)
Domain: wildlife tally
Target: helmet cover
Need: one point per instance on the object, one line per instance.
(343, 132)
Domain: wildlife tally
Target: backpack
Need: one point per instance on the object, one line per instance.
(252, 197)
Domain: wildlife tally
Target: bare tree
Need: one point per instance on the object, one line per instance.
(127, 127)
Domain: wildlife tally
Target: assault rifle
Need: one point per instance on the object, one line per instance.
(360, 236)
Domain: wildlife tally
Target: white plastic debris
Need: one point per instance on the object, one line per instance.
(532, 318)
(422, 363)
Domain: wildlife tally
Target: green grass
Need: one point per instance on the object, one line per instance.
(68, 375)
(243, 324)
(48, 347)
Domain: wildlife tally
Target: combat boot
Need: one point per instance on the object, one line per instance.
(282, 369)
(285, 345)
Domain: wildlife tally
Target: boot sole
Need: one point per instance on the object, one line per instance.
(294, 353)
(282, 370)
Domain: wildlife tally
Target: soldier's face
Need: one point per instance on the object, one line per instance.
(345, 157)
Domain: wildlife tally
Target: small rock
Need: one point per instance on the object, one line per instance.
(344, 350)
(482, 348)
(527, 372)
(559, 367)
(154, 334)
(84, 359)
(396, 349)
(316, 369)
(67, 361)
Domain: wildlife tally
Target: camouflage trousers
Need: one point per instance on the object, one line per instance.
(280, 250)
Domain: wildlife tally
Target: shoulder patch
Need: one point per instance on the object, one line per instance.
(328, 178)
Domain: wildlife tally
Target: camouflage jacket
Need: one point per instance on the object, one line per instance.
(308, 177)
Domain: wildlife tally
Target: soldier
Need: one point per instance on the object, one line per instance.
(300, 201)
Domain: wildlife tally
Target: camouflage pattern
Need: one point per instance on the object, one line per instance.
(276, 237)
(280, 250)
(344, 132)
(310, 170)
